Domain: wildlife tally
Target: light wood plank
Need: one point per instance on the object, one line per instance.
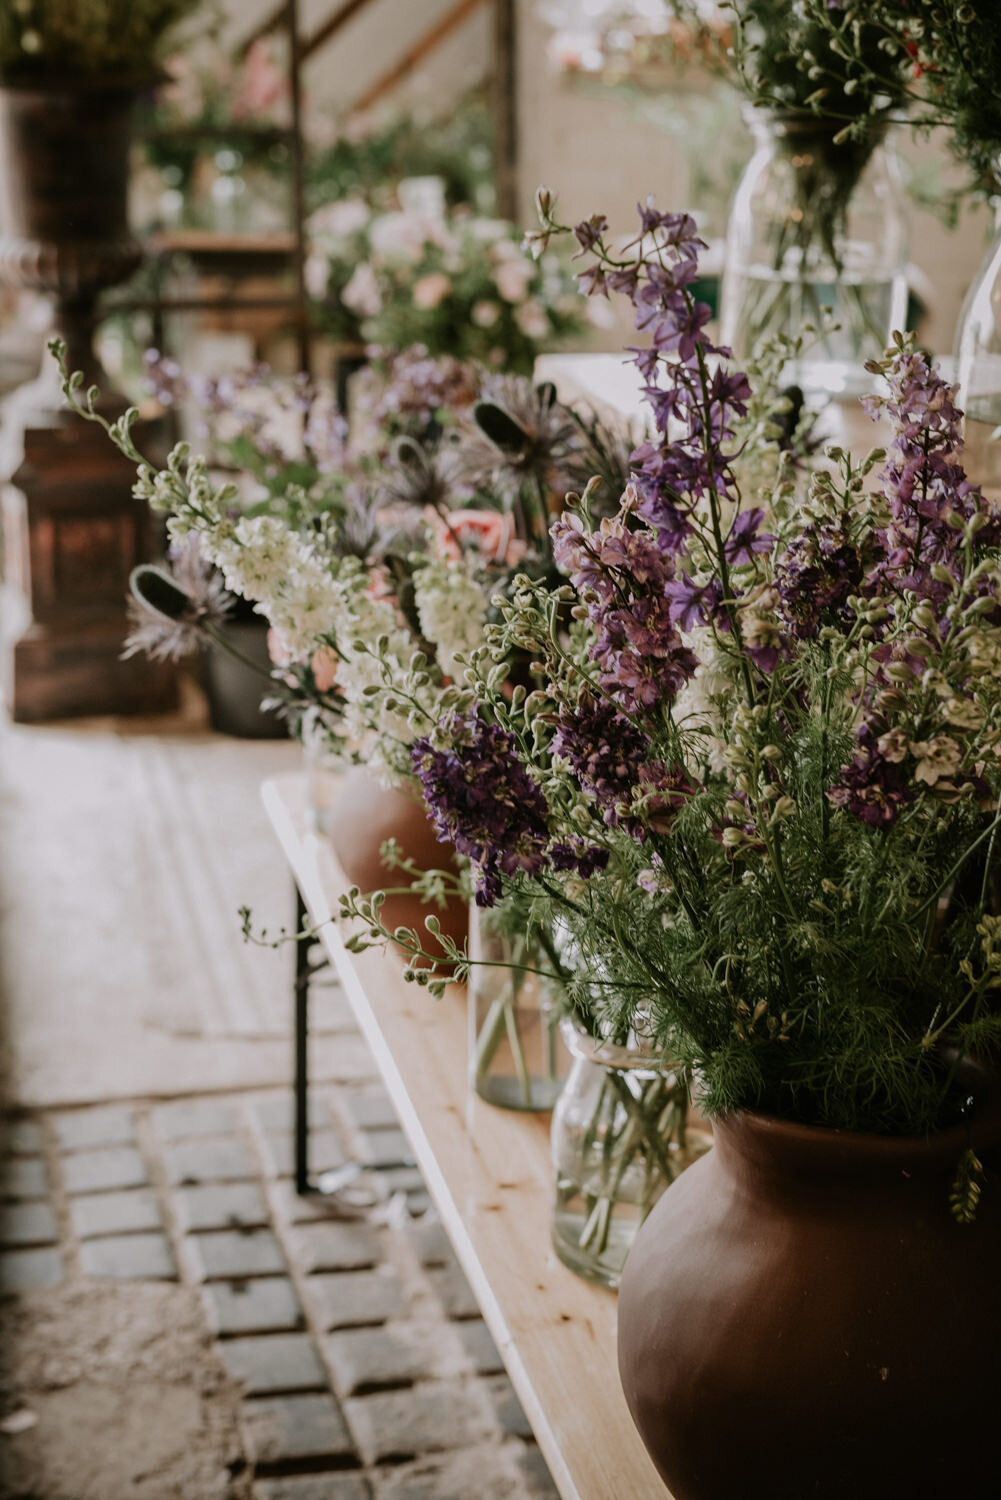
(489, 1173)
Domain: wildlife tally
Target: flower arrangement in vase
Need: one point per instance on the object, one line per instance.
(750, 778)
(756, 783)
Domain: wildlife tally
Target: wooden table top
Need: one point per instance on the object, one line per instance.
(489, 1173)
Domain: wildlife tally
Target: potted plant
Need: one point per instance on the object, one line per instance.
(69, 79)
(69, 76)
(757, 783)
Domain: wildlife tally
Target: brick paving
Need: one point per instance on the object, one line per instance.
(365, 1370)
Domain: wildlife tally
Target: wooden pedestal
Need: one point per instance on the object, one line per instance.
(72, 534)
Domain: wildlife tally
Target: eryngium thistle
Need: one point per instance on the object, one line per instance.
(170, 610)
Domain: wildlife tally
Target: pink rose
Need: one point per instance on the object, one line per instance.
(431, 290)
(380, 583)
(323, 664)
(488, 532)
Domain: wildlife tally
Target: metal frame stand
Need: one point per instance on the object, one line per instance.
(337, 1183)
(304, 971)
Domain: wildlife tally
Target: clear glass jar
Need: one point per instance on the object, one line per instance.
(323, 758)
(516, 1056)
(815, 229)
(621, 1134)
(230, 201)
(978, 369)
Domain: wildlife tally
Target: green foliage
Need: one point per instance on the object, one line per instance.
(99, 40)
(792, 60)
(457, 148)
(944, 61)
(966, 1189)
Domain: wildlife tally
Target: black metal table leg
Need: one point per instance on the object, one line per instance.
(334, 1183)
(302, 978)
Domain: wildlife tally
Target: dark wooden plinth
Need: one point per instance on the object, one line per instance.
(72, 534)
(56, 675)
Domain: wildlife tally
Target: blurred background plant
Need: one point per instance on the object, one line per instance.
(453, 281)
(87, 38)
(372, 153)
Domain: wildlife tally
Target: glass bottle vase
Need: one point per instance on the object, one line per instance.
(816, 231)
(622, 1132)
(516, 1056)
(978, 371)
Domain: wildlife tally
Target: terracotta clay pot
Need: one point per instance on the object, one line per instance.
(802, 1317)
(365, 816)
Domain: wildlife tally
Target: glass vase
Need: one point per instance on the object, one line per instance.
(622, 1133)
(978, 370)
(323, 758)
(816, 229)
(516, 1056)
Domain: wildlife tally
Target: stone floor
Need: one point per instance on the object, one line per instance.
(175, 1323)
(362, 1367)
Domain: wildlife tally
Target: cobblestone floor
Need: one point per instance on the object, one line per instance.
(353, 1349)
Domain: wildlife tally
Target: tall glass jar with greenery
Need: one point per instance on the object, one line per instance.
(978, 368)
(817, 236)
(817, 239)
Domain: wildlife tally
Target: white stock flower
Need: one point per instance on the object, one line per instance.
(450, 607)
(272, 567)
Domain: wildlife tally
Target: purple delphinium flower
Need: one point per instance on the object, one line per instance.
(608, 757)
(926, 492)
(686, 460)
(623, 576)
(482, 800)
(605, 751)
(872, 787)
(924, 487)
(691, 603)
(745, 537)
(815, 576)
(589, 231)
